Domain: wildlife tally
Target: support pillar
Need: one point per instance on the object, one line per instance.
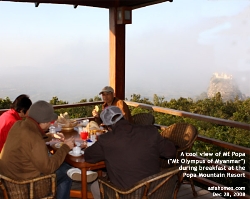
(117, 54)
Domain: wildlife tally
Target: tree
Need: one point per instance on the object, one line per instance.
(56, 101)
(97, 98)
(5, 103)
(158, 100)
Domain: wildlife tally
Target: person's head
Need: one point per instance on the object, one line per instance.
(107, 94)
(111, 115)
(43, 113)
(21, 105)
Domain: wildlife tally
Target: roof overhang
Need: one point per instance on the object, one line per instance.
(133, 4)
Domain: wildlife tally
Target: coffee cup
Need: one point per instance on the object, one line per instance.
(85, 122)
(76, 150)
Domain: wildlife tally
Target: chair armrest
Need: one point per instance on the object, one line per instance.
(105, 181)
(40, 187)
(109, 190)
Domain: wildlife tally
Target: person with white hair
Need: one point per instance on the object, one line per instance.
(131, 152)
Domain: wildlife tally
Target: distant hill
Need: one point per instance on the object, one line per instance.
(226, 85)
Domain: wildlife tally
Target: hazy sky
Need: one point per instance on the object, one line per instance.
(172, 49)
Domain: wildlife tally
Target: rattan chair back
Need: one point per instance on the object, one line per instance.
(183, 135)
(143, 119)
(43, 187)
(161, 185)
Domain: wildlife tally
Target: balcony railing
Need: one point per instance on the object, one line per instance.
(201, 138)
(212, 141)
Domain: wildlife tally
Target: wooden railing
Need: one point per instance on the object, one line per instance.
(229, 146)
(191, 115)
(212, 141)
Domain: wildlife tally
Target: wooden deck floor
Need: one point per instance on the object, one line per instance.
(185, 192)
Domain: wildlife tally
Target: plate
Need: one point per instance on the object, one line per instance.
(76, 155)
(59, 144)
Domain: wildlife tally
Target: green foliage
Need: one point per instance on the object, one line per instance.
(75, 112)
(158, 100)
(236, 110)
(5, 103)
(97, 98)
(56, 101)
(137, 98)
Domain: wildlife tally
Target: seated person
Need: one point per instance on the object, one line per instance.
(18, 110)
(131, 152)
(108, 96)
(25, 154)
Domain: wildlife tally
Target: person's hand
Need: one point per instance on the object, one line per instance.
(50, 136)
(95, 113)
(59, 136)
(70, 142)
(83, 145)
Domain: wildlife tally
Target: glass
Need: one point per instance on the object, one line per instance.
(84, 135)
(52, 129)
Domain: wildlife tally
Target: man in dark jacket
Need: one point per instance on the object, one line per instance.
(131, 152)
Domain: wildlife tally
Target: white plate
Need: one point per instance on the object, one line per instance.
(76, 155)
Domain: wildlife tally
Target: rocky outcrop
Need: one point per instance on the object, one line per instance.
(224, 84)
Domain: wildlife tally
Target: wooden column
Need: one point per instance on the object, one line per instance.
(117, 54)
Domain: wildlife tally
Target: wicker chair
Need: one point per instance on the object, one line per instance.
(161, 185)
(143, 119)
(43, 187)
(183, 135)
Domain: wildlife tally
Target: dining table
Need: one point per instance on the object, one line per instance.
(79, 162)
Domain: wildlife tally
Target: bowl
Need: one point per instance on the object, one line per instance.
(69, 125)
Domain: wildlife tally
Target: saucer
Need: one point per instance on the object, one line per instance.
(76, 155)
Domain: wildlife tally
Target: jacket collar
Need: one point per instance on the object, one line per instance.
(105, 105)
(15, 114)
(31, 120)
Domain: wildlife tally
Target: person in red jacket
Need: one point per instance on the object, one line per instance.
(18, 110)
